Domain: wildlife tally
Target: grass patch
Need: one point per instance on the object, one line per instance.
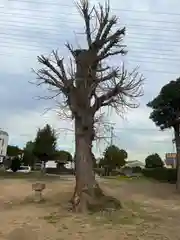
(57, 217)
(52, 218)
(137, 179)
(132, 214)
(139, 211)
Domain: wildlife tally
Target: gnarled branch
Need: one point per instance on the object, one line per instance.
(105, 39)
(85, 11)
(123, 89)
(53, 73)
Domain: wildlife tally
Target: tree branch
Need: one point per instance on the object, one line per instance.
(54, 73)
(121, 93)
(61, 66)
(104, 40)
(114, 73)
(103, 20)
(85, 11)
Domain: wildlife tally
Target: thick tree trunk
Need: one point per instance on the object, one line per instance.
(87, 193)
(177, 140)
(85, 178)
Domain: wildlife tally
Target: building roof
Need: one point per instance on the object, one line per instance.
(135, 163)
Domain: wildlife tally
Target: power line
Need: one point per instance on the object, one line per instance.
(138, 54)
(169, 59)
(156, 58)
(76, 14)
(159, 71)
(64, 21)
(129, 61)
(35, 44)
(24, 16)
(136, 45)
(159, 52)
(46, 34)
(156, 40)
(137, 129)
(149, 27)
(143, 60)
(116, 9)
(137, 58)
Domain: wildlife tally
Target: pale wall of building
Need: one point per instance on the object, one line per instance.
(170, 160)
(4, 138)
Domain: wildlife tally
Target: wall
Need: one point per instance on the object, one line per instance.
(4, 138)
(170, 160)
(51, 164)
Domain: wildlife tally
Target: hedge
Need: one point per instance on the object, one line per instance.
(59, 171)
(99, 171)
(161, 174)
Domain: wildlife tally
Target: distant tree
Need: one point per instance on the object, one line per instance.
(29, 146)
(154, 161)
(45, 144)
(15, 164)
(63, 156)
(13, 151)
(137, 169)
(166, 114)
(28, 157)
(94, 161)
(101, 162)
(114, 157)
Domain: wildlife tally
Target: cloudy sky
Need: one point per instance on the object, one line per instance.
(32, 27)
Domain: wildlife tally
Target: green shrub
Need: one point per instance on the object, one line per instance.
(59, 171)
(99, 171)
(137, 169)
(15, 164)
(161, 174)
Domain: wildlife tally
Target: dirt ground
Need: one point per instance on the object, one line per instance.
(150, 211)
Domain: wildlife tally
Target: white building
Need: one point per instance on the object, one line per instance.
(127, 169)
(135, 163)
(4, 138)
(53, 164)
(170, 160)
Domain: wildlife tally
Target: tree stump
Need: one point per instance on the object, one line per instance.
(38, 189)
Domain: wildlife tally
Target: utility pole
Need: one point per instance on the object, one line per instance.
(112, 128)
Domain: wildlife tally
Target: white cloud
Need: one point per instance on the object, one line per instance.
(23, 127)
(26, 32)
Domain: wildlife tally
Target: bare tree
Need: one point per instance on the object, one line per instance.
(89, 85)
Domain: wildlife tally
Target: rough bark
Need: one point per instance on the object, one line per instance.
(177, 140)
(88, 196)
(85, 179)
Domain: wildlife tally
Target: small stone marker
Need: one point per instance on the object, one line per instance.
(38, 188)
